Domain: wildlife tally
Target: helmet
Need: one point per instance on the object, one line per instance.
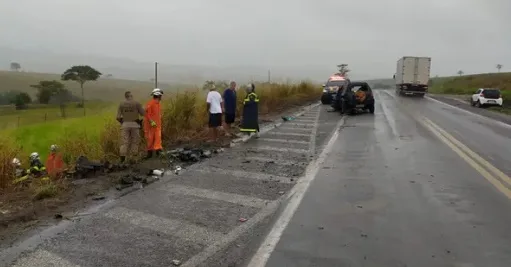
(34, 156)
(16, 162)
(157, 92)
(53, 148)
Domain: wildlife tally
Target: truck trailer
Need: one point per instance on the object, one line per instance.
(412, 76)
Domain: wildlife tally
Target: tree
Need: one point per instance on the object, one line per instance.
(499, 66)
(21, 100)
(460, 72)
(46, 89)
(62, 95)
(15, 66)
(81, 74)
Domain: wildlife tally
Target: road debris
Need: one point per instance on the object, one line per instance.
(100, 197)
(321, 227)
(176, 262)
(243, 219)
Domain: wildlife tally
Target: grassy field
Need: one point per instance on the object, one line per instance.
(97, 135)
(103, 89)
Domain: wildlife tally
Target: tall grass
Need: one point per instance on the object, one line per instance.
(97, 137)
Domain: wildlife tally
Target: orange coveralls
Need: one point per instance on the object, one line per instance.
(153, 133)
(54, 164)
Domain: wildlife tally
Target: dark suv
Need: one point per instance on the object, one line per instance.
(352, 97)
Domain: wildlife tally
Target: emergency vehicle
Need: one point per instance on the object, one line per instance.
(334, 83)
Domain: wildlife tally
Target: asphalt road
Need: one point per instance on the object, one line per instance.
(418, 183)
(212, 214)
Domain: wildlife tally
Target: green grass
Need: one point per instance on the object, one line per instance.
(467, 85)
(37, 114)
(103, 89)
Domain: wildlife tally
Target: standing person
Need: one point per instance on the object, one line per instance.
(230, 106)
(152, 124)
(215, 109)
(250, 120)
(128, 115)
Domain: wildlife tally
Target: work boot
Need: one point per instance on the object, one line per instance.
(158, 153)
(149, 154)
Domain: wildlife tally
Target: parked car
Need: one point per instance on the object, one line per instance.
(486, 97)
(355, 96)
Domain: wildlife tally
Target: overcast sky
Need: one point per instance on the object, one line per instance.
(369, 35)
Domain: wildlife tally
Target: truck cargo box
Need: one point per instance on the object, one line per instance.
(413, 70)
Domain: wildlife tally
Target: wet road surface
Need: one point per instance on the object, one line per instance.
(417, 184)
(210, 215)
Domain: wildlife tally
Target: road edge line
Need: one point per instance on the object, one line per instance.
(295, 197)
(494, 121)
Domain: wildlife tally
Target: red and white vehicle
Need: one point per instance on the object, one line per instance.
(334, 82)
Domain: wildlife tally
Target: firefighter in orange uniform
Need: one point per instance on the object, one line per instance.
(152, 124)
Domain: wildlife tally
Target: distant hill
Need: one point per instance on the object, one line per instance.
(103, 89)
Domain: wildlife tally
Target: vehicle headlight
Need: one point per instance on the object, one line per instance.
(325, 90)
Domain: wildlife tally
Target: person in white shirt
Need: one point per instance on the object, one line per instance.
(215, 110)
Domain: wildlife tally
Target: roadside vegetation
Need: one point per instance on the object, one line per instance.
(464, 86)
(96, 135)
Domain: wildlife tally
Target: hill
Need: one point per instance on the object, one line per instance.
(466, 85)
(103, 89)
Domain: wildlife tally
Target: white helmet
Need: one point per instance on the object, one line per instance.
(53, 148)
(16, 162)
(157, 92)
(34, 156)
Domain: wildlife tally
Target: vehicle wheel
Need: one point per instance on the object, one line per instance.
(325, 100)
(371, 109)
(472, 103)
(478, 104)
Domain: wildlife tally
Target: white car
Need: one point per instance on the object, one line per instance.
(486, 97)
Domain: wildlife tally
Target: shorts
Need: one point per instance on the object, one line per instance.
(215, 120)
(229, 118)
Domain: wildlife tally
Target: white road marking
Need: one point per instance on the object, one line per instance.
(280, 149)
(245, 174)
(43, 258)
(181, 229)
(303, 125)
(290, 128)
(486, 119)
(270, 160)
(388, 116)
(296, 195)
(288, 134)
(287, 141)
(216, 195)
(312, 142)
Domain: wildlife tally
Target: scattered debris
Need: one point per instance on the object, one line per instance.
(84, 167)
(281, 192)
(413, 182)
(321, 227)
(100, 197)
(288, 118)
(243, 220)
(176, 262)
(246, 161)
(363, 235)
(359, 206)
(157, 172)
(177, 170)
(448, 251)
(58, 216)
(432, 175)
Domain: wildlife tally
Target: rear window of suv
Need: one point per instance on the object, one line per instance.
(491, 93)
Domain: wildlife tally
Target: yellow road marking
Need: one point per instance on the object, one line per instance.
(474, 155)
(451, 144)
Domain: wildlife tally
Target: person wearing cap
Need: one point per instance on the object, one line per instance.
(215, 105)
(152, 124)
(230, 106)
(250, 119)
(128, 114)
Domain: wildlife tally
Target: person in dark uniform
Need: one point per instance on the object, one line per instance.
(250, 119)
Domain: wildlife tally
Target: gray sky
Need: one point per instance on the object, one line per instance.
(369, 35)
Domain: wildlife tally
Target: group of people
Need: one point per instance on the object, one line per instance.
(221, 110)
(54, 166)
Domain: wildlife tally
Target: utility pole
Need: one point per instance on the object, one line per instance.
(155, 74)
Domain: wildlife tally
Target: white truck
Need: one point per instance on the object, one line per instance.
(412, 76)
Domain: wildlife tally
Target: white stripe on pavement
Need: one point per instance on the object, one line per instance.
(43, 258)
(181, 229)
(289, 134)
(281, 149)
(216, 195)
(287, 141)
(245, 174)
(304, 125)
